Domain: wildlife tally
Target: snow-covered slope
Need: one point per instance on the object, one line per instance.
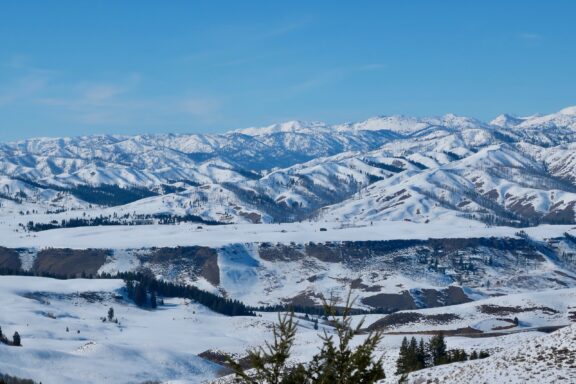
(547, 359)
(512, 170)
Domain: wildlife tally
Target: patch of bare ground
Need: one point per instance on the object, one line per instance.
(70, 262)
(203, 259)
(499, 310)
(405, 318)
(9, 259)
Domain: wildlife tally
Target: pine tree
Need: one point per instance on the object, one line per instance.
(3, 338)
(140, 298)
(269, 362)
(412, 360)
(474, 355)
(16, 339)
(402, 362)
(483, 355)
(423, 355)
(153, 300)
(110, 314)
(336, 362)
(437, 348)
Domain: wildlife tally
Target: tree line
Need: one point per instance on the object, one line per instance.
(16, 340)
(416, 355)
(144, 289)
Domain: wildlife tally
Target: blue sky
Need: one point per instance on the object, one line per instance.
(84, 67)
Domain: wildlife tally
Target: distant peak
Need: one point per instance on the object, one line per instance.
(506, 120)
(569, 111)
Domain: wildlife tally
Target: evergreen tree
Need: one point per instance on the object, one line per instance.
(153, 300)
(474, 355)
(110, 314)
(437, 349)
(336, 362)
(16, 339)
(423, 355)
(140, 296)
(413, 355)
(269, 362)
(3, 338)
(402, 362)
(483, 355)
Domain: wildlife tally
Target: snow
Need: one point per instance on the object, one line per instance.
(355, 181)
(545, 359)
(122, 237)
(145, 345)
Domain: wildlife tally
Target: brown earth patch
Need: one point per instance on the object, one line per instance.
(254, 218)
(391, 302)
(279, 252)
(221, 358)
(557, 215)
(304, 299)
(331, 254)
(492, 194)
(434, 298)
(492, 309)
(404, 318)
(70, 262)
(203, 259)
(10, 259)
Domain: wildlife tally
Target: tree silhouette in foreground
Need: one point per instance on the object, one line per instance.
(336, 362)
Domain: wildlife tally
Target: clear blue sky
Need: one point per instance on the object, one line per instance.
(83, 67)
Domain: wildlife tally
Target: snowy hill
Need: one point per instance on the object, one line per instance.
(434, 224)
(512, 171)
(544, 359)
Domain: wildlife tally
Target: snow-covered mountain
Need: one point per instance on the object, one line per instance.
(393, 210)
(513, 170)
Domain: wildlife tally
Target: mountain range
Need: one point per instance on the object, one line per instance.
(511, 171)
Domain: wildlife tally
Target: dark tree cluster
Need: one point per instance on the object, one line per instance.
(416, 355)
(20, 272)
(127, 219)
(188, 218)
(384, 166)
(7, 379)
(16, 340)
(73, 223)
(105, 194)
(144, 290)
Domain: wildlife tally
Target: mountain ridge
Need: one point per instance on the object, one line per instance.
(300, 170)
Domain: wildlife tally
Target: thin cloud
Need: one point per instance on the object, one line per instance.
(85, 94)
(102, 92)
(200, 106)
(332, 76)
(23, 88)
(27, 81)
(531, 37)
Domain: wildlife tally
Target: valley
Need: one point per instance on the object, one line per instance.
(444, 224)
